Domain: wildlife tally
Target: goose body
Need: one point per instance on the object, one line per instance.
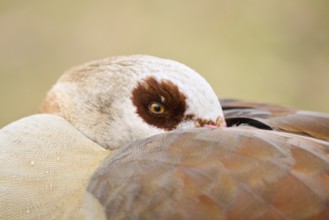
(45, 166)
(140, 137)
(250, 170)
(233, 173)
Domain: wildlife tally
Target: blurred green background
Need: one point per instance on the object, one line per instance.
(269, 51)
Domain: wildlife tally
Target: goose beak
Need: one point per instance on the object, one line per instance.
(210, 126)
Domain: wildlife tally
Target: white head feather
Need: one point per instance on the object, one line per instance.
(97, 98)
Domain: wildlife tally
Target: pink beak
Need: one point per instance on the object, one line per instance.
(210, 126)
(222, 125)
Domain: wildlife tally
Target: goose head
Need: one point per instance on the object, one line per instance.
(118, 100)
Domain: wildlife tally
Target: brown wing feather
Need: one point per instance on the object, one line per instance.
(279, 118)
(230, 173)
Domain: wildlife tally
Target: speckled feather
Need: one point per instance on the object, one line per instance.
(45, 167)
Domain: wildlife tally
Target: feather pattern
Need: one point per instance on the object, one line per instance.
(238, 172)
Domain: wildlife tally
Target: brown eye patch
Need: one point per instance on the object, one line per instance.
(165, 93)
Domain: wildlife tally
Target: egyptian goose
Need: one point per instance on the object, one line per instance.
(123, 139)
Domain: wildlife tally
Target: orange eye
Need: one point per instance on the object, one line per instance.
(156, 108)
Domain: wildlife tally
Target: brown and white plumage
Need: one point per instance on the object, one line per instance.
(95, 156)
(108, 100)
(276, 171)
(46, 160)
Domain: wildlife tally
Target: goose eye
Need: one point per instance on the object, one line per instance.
(156, 108)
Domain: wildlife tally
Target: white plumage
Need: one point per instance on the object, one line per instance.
(45, 166)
